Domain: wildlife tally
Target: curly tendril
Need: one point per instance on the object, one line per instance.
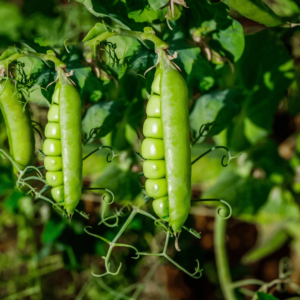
(220, 209)
(230, 157)
(198, 272)
(112, 244)
(110, 156)
(115, 215)
(203, 131)
(92, 134)
(109, 199)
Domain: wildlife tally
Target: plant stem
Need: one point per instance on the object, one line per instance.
(47, 57)
(221, 258)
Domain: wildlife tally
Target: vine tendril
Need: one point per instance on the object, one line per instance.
(220, 208)
(230, 157)
(112, 196)
(204, 128)
(111, 153)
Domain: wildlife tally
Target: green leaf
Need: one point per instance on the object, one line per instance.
(157, 4)
(230, 33)
(187, 54)
(284, 8)
(148, 14)
(124, 184)
(264, 296)
(8, 52)
(269, 241)
(245, 195)
(219, 107)
(105, 115)
(255, 10)
(98, 10)
(52, 231)
(97, 30)
(202, 75)
(226, 36)
(267, 84)
(12, 202)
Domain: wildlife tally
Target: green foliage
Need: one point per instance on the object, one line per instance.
(264, 296)
(248, 100)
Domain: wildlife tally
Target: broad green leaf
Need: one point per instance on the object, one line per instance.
(124, 184)
(142, 61)
(126, 46)
(270, 240)
(230, 33)
(202, 75)
(255, 10)
(245, 195)
(226, 36)
(219, 107)
(267, 84)
(157, 4)
(280, 205)
(11, 203)
(264, 296)
(148, 14)
(97, 30)
(105, 115)
(254, 133)
(52, 231)
(92, 89)
(8, 52)
(98, 10)
(187, 55)
(284, 8)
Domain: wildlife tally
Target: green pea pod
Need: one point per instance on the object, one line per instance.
(255, 10)
(176, 129)
(63, 145)
(167, 145)
(18, 125)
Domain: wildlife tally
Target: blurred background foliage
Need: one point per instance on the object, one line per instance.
(242, 77)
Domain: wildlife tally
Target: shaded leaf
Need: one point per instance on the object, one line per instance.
(218, 107)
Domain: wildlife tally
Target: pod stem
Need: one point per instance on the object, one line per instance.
(147, 35)
(16, 54)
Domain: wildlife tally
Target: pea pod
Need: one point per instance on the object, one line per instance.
(255, 10)
(63, 145)
(167, 145)
(18, 125)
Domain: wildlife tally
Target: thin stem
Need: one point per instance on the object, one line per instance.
(47, 57)
(34, 169)
(125, 225)
(166, 243)
(221, 258)
(99, 148)
(241, 283)
(212, 149)
(144, 36)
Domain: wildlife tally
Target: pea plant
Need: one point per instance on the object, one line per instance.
(155, 86)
